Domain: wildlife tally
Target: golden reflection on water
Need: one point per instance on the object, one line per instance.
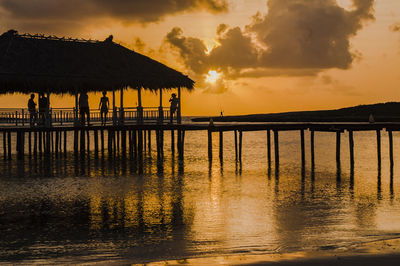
(154, 210)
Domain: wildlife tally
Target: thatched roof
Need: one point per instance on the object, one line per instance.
(34, 63)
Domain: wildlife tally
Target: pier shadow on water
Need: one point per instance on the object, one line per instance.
(136, 210)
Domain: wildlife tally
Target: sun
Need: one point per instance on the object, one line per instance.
(212, 76)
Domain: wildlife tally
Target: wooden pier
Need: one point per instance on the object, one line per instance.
(136, 138)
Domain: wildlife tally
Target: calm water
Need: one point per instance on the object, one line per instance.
(73, 210)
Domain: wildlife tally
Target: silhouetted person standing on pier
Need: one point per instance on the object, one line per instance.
(84, 108)
(32, 110)
(103, 106)
(174, 105)
(43, 106)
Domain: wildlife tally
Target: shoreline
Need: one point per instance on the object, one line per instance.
(378, 252)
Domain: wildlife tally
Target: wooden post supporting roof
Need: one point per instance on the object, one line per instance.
(140, 108)
(160, 109)
(179, 117)
(121, 109)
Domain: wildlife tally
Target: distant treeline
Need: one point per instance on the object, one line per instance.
(382, 112)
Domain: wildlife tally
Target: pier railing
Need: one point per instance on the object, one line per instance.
(59, 116)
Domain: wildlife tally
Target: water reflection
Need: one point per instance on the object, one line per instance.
(159, 207)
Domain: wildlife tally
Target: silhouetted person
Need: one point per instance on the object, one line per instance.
(32, 110)
(43, 106)
(103, 106)
(84, 108)
(174, 105)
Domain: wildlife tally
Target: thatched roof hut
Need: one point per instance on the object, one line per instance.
(37, 63)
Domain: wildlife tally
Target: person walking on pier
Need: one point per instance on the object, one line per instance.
(32, 111)
(174, 106)
(84, 108)
(103, 106)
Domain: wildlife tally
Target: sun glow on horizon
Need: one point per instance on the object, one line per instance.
(212, 76)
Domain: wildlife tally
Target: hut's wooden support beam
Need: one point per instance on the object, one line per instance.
(276, 146)
(160, 109)
(76, 110)
(117, 149)
(140, 107)
(179, 115)
(379, 149)
(114, 109)
(48, 143)
(82, 141)
(57, 143)
(121, 115)
(130, 143)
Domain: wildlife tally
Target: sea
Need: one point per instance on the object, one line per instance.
(56, 210)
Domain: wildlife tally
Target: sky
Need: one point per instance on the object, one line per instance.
(246, 56)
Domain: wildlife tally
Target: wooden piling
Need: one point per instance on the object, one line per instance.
(240, 145)
(379, 149)
(88, 140)
(109, 142)
(48, 142)
(269, 147)
(276, 145)
(96, 143)
(312, 150)
(303, 150)
(65, 143)
(35, 141)
(5, 145)
(75, 141)
(123, 142)
(30, 143)
(135, 143)
(102, 141)
(9, 145)
(209, 132)
(182, 145)
(117, 150)
(173, 142)
(351, 148)
(149, 141)
(391, 150)
(56, 146)
(236, 146)
(82, 141)
(221, 145)
(338, 142)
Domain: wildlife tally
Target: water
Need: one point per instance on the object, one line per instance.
(73, 210)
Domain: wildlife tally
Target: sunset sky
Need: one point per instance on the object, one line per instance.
(246, 56)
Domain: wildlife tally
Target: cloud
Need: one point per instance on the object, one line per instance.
(296, 37)
(395, 27)
(69, 11)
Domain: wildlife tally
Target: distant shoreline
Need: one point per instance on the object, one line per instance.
(381, 112)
